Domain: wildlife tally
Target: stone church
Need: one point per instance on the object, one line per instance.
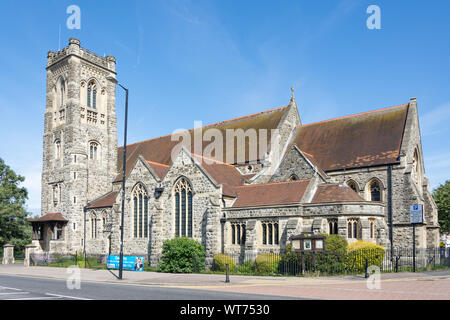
(356, 176)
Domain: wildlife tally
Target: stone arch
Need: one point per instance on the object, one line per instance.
(353, 185)
(374, 190)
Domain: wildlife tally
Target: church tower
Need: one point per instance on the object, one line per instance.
(80, 140)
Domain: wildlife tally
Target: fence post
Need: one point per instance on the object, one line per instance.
(8, 254)
(227, 275)
(28, 250)
(367, 268)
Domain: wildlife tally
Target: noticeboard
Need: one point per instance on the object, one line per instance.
(130, 263)
(416, 214)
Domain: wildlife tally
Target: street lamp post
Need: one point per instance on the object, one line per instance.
(114, 80)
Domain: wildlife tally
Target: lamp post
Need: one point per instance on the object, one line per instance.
(114, 80)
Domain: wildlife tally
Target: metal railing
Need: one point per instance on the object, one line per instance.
(333, 263)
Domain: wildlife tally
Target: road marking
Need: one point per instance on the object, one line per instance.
(7, 288)
(69, 297)
(34, 298)
(9, 293)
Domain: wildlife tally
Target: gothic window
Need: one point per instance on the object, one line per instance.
(238, 233)
(62, 93)
(140, 210)
(416, 168)
(93, 227)
(353, 229)
(372, 229)
(332, 227)
(56, 194)
(375, 191)
(93, 150)
(352, 184)
(57, 149)
(92, 95)
(183, 208)
(270, 233)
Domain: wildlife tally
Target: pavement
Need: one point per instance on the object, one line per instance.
(433, 285)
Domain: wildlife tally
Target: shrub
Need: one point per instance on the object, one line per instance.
(267, 263)
(221, 260)
(182, 255)
(335, 243)
(359, 251)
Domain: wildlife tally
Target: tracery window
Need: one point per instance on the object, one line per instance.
(270, 233)
(93, 148)
(183, 208)
(375, 191)
(140, 209)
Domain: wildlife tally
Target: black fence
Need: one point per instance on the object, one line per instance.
(334, 263)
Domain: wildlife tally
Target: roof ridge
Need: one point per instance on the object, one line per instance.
(213, 124)
(271, 183)
(354, 115)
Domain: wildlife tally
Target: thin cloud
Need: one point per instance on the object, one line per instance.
(435, 121)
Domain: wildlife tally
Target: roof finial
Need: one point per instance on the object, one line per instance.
(292, 94)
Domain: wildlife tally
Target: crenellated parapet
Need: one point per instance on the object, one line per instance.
(74, 48)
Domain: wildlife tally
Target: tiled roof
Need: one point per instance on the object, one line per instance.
(57, 216)
(360, 140)
(104, 201)
(277, 193)
(159, 168)
(328, 193)
(159, 150)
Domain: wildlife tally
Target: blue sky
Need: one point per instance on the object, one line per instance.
(214, 60)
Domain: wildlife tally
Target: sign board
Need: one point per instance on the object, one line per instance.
(131, 263)
(416, 214)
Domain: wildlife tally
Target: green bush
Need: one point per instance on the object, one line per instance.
(221, 260)
(335, 243)
(267, 263)
(182, 255)
(359, 251)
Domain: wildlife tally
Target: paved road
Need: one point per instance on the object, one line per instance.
(26, 288)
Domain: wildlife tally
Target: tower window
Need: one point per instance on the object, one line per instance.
(57, 149)
(93, 148)
(92, 95)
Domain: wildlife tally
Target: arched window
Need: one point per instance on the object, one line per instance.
(353, 229)
(416, 174)
(92, 95)
(372, 229)
(62, 93)
(332, 227)
(93, 226)
(93, 150)
(57, 149)
(270, 233)
(352, 184)
(140, 210)
(375, 191)
(183, 208)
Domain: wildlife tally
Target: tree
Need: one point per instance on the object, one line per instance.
(441, 196)
(14, 227)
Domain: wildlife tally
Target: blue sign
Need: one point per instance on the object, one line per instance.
(131, 263)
